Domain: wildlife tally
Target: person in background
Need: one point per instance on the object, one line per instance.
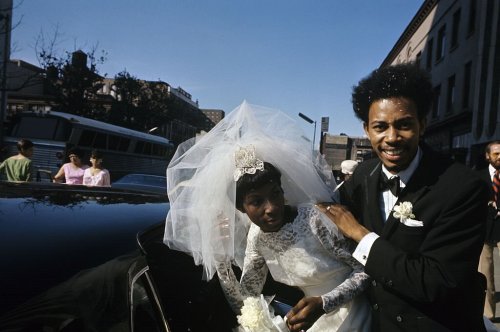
(19, 167)
(418, 217)
(491, 176)
(96, 175)
(72, 172)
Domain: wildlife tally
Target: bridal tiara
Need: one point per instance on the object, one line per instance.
(246, 162)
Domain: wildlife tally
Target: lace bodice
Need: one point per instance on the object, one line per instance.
(309, 253)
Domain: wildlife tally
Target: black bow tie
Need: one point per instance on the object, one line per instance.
(391, 184)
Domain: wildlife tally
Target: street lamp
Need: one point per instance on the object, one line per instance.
(305, 117)
(152, 129)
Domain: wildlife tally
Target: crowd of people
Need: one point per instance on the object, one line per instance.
(19, 168)
(395, 247)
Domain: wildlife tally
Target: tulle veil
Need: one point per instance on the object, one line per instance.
(203, 220)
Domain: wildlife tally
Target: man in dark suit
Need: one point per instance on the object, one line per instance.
(486, 265)
(419, 241)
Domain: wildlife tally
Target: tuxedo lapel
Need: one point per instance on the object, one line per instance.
(373, 215)
(416, 187)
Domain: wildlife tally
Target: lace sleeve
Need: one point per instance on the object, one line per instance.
(254, 267)
(230, 286)
(252, 279)
(341, 248)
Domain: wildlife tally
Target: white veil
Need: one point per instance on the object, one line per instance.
(203, 220)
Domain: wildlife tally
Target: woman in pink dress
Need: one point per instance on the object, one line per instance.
(72, 172)
(96, 175)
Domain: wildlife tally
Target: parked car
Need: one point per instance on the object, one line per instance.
(92, 259)
(69, 256)
(142, 182)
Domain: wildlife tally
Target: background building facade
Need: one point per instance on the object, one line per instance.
(457, 41)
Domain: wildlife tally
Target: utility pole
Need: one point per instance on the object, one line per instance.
(5, 30)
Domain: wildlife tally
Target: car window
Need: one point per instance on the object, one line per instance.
(146, 313)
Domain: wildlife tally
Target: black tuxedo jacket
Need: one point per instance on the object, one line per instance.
(424, 278)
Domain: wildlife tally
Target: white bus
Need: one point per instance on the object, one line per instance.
(53, 133)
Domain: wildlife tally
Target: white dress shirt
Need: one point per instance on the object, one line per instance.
(387, 202)
(492, 171)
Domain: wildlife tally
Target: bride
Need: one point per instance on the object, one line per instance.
(244, 194)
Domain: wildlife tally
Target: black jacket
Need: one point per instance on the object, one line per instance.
(425, 278)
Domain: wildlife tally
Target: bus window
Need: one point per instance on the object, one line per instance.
(156, 150)
(37, 128)
(139, 146)
(87, 138)
(100, 141)
(147, 148)
(63, 131)
(124, 143)
(113, 142)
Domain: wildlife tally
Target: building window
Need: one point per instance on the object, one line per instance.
(436, 102)
(450, 96)
(467, 85)
(456, 29)
(471, 26)
(418, 58)
(441, 43)
(430, 45)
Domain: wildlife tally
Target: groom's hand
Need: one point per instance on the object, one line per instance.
(305, 313)
(344, 220)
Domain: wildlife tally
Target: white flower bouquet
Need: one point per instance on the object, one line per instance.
(258, 316)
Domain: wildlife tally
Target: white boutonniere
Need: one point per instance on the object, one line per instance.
(404, 212)
(258, 316)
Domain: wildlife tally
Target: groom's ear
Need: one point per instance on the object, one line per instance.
(365, 128)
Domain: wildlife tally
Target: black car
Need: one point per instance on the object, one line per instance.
(92, 259)
(142, 182)
(69, 257)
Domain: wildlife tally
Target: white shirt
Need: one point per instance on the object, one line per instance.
(387, 201)
(492, 171)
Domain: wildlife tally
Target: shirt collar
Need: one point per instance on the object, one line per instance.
(492, 170)
(405, 175)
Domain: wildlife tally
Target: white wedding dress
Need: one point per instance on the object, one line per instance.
(311, 254)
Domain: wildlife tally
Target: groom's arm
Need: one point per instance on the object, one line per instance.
(447, 253)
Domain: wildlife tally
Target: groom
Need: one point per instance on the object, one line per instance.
(419, 218)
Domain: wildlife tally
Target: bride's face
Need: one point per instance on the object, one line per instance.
(265, 207)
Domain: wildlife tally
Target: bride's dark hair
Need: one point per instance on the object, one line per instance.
(248, 182)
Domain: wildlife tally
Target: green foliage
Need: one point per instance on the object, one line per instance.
(74, 81)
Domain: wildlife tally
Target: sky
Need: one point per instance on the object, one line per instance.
(293, 55)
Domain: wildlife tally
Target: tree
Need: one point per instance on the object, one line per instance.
(124, 109)
(73, 77)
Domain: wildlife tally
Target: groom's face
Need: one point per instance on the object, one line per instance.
(394, 131)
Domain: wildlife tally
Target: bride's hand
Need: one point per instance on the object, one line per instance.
(305, 313)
